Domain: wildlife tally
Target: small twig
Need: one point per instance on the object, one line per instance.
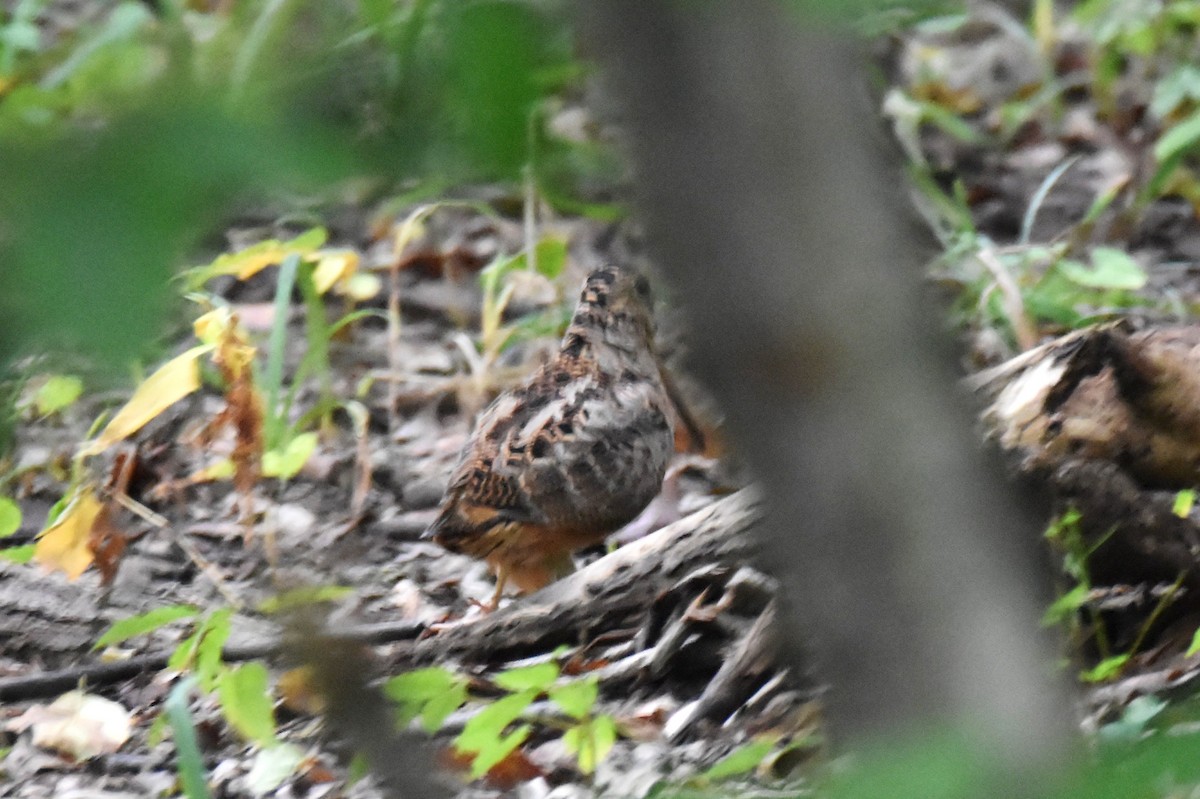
(393, 342)
(1039, 197)
(138, 509)
(1162, 604)
(1014, 304)
(208, 570)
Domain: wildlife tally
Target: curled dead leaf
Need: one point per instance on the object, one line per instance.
(77, 725)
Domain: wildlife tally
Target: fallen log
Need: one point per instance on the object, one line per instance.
(619, 585)
(608, 593)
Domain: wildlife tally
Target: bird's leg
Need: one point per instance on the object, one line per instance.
(494, 602)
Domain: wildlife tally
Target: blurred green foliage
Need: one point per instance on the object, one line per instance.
(123, 141)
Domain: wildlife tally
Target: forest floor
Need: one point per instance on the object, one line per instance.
(1022, 191)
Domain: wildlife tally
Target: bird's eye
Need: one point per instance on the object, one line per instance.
(642, 286)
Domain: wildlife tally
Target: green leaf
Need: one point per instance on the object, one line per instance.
(550, 254)
(741, 760)
(1185, 500)
(484, 729)
(949, 122)
(1178, 140)
(245, 263)
(1174, 89)
(57, 509)
(1053, 298)
(1111, 269)
(246, 702)
(1143, 709)
(143, 623)
(1065, 605)
(432, 693)
(57, 393)
(19, 554)
(420, 685)
(578, 698)
(181, 658)
(158, 730)
(272, 765)
(125, 21)
(287, 463)
(1063, 525)
(10, 517)
(497, 750)
(189, 763)
(21, 36)
(591, 741)
(539, 676)
(491, 275)
(1105, 669)
(439, 707)
(1194, 646)
(213, 635)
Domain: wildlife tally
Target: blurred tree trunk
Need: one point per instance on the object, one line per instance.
(911, 571)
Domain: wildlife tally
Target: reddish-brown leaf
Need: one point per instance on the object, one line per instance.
(107, 542)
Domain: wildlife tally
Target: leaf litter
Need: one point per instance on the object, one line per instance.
(1043, 197)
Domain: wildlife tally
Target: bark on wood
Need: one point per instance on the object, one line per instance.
(750, 663)
(613, 591)
(49, 683)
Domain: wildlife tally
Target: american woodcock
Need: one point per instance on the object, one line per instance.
(572, 454)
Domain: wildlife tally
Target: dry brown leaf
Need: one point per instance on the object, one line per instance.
(77, 725)
(107, 543)
(513, 770)
(243, 407)
(299, 693)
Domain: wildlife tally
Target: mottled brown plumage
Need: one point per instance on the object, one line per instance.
(571, 455)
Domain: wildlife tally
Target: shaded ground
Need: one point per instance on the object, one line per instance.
(659, 659)
(658, 663)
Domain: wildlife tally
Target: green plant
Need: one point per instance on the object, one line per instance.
(188, 762)
(547, 257)
(287, 443)
(10, 522)
(489, 736)
(242, 692)
(1065, 533)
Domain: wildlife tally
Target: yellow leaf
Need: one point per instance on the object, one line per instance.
(334, 267)
(361, 286)
(211, 326)
(173, 381)
(64, 546)
(413, 227)
(220, 470)
(255, 258)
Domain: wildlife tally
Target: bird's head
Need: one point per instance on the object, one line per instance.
(617, 305)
